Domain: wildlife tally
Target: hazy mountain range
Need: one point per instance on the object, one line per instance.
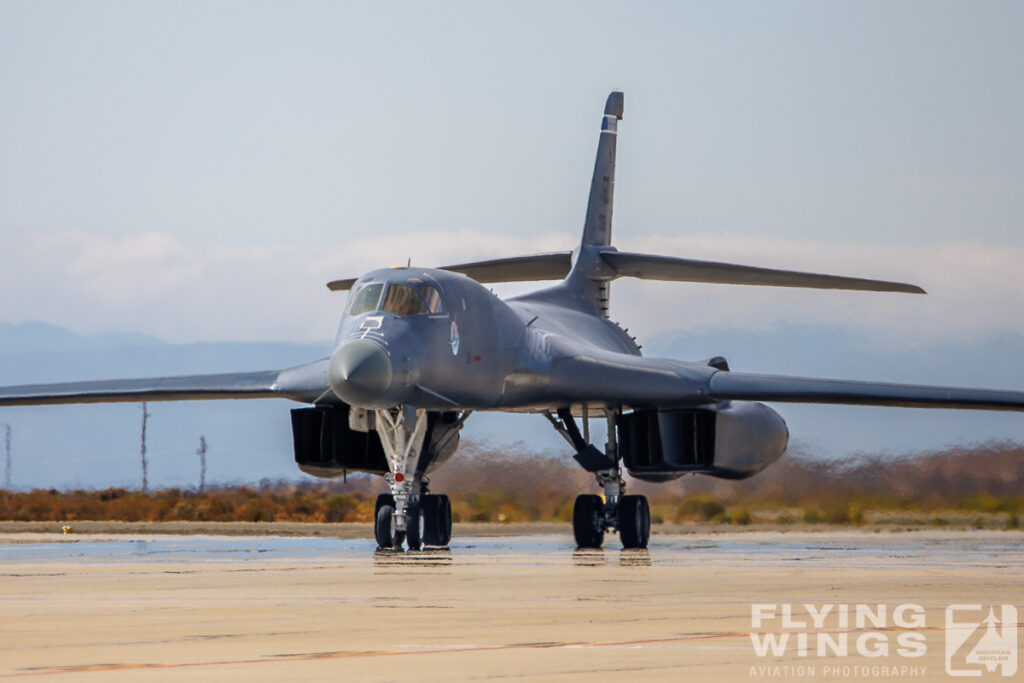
(98, 445)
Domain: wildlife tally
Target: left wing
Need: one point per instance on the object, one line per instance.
(305, 383)
(751, 387)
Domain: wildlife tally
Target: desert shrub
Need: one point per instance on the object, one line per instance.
(183, 511)
(813, 516)
(336, 508)
(702, 508)
(837, 514)
(489, 484)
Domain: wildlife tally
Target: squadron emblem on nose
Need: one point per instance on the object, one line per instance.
(453, 339)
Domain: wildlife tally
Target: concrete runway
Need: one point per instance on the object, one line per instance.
(125, 608)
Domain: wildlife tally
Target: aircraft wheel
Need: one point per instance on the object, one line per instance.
(383, 499)
(384, 528)
(445, 525)
(587, 524)
(437, 519)
(634, 521)
(414, 527)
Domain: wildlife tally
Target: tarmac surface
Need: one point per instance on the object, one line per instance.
(115, 607)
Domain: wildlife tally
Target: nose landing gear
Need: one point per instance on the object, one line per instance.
(428, 521)
(408, 516)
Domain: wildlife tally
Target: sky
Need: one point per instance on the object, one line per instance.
(197, 171)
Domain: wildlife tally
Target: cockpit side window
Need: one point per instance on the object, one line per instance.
(403, 300)
(365, 299)
(432, 297)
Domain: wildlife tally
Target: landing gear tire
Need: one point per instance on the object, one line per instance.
(383, 499)
(587, 524)
(634, 521)
(414, 527)
(384, 527)
(437, 519)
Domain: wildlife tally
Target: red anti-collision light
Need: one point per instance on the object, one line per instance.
(399, 476)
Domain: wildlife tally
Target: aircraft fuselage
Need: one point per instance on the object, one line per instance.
(466, 347)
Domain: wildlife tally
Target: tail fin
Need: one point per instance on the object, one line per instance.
(597, 230)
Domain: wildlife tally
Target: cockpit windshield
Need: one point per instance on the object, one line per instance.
(400, 299)
(432, 297)
(403, 300)
(365, 299)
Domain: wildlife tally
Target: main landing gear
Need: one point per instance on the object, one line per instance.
(592, 516)
(409, 515)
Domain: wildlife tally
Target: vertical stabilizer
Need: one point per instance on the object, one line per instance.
(597, 230)
(587, 285)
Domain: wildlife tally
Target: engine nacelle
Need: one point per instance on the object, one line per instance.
(327, 446)
(733, 440)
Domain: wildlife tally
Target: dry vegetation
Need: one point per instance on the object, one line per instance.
(976, 487)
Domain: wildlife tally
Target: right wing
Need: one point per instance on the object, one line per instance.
(306, 383)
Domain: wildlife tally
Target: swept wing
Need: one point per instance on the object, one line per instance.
(783, 389)
(305, 383)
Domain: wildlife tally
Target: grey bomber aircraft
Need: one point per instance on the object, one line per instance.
(419, 349)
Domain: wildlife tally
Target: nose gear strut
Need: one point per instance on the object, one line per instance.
(408, 515)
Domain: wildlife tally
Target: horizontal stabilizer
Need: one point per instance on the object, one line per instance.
(653, 267)
(751, 387)
(341, 285)
(551, 266)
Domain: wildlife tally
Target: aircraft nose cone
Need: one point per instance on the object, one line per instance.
(360, 373)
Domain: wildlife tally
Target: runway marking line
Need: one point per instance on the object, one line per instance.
(346, 654)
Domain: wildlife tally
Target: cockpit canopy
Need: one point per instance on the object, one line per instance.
(413, 297)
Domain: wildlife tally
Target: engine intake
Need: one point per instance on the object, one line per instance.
(733, 440)
(326, 446)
